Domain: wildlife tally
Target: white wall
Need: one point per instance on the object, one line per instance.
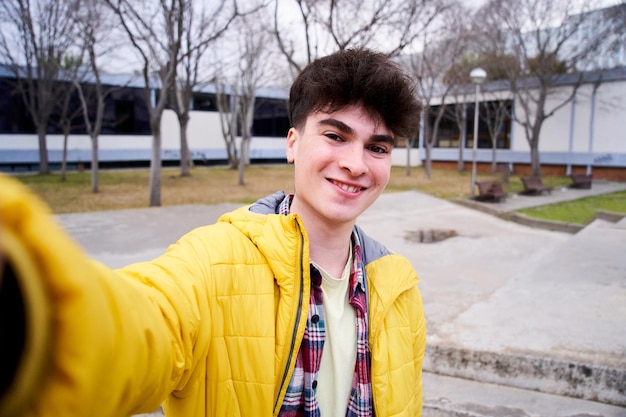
(205, 137)
(204, 130)
(609, 136)
(610, 120)
(74, 142)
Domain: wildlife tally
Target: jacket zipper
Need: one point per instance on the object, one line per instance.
(295, 330)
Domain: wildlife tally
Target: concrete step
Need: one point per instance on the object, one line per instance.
(545, 373)
(446, 396)
(553, 328)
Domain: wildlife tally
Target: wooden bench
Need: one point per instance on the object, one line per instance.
(490, 191)
(581, 181)
(534, 186)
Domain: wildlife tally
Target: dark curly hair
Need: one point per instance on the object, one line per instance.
(357, 77)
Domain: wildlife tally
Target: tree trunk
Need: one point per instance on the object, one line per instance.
(185, 156)
(245, 142)
(247, 149)
(44, 168)
(428, 161)
(460, 166)
(232, 155)
(234, 105)
(155, 166)
(535, 163)
(494, 159)
(462, 139)
(94, 164)
(534, 148)
(64, 157)
(409, 146)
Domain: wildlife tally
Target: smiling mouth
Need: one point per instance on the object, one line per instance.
(347, 188)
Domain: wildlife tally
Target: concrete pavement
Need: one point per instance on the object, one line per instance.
(516, 315)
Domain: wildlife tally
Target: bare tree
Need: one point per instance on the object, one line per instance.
(94, 22)
(459, 112)
(202, 26)
(285, 37)
(494, 114)
(34, 39)
(155, 30)
(227, 105)
(253, 72)
(552, 41)
(386, 25)
(458, 77)
(432, 70)
(496, 103)
(66, 122)
(244, 72)
(66, 112)
(321, 27)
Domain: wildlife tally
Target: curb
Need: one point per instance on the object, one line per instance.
(477, 206)
(583, 380)
(552, 225)
(446, 396)
(512, 216)
(610, 216)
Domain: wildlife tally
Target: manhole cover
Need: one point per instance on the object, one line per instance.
(429, 235)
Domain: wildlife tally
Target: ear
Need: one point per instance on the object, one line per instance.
(293, 137)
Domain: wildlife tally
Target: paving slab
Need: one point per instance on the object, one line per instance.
(445, 396)
(529, 303)
(120, 237)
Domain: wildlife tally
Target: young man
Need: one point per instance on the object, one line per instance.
(283, 308)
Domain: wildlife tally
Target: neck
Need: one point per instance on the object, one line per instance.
(329, 242)
(330, 252)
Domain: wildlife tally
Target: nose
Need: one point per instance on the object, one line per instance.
(352, 159)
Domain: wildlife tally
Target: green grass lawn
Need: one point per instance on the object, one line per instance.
(581, 211)
(120, 189)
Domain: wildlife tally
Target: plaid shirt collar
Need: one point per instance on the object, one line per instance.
(300, 399)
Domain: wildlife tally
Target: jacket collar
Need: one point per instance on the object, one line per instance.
(280, 237)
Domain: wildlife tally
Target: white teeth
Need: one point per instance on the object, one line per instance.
(347, 188)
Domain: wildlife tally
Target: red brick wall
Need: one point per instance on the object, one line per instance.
(605, 173)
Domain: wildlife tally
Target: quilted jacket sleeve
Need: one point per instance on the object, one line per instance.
(88, 341)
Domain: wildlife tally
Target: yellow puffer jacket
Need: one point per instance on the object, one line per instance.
(212, 326)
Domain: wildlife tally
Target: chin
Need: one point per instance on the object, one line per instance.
(342, 215)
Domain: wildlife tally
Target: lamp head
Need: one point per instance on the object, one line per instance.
(478, 75)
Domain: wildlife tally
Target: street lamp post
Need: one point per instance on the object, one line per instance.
(477, 76)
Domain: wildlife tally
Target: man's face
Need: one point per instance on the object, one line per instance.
(342, 164)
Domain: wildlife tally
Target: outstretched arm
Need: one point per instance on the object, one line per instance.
(84, 340)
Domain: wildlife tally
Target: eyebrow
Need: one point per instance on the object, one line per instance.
(347, 129)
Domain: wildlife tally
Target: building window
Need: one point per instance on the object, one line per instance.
(204, 102)
(126, 113)
(449, 133)
(14, 115)
(270, 118)
(124, 116)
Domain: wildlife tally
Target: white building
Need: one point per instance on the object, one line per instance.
(587, 134)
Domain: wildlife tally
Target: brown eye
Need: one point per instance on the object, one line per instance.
(379, 149)
(334, 137)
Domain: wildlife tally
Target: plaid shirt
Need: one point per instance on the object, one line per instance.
(300, 399)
